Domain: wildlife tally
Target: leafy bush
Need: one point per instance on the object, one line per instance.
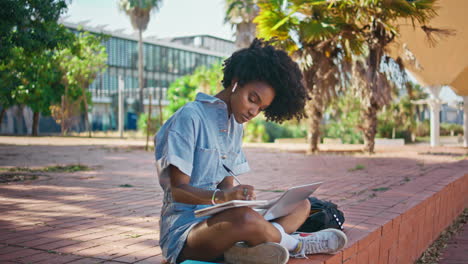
(385, 130)
(446, 128)
(345, 116)
(255, 131)
(422, 129)
(259, 130)
(180, 92)
(348, 134)
(289, 129)
(185, 89)
(142, 124)
(399, 116)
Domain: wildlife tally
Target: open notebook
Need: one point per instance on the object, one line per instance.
(271, 209)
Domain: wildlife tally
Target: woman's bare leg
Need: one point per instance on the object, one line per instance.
(212, 237)
(293, 221)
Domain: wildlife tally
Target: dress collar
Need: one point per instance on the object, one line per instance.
(205, 98)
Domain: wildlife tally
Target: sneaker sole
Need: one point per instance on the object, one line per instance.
(340, 234)
(266, 253)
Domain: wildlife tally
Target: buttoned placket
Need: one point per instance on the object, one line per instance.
(223, 130)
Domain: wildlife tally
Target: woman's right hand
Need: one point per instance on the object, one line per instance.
(240, 192)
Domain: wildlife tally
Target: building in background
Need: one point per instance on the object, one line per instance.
(206, 42)
(165, 61)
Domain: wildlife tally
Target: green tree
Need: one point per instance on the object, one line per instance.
(415, 92)
(81, 63)
(240, 14)
(37, 82)
(28, 33)
(322, 37)
(184, 89)
(401, 118)
(31, 25)
(327, 35)
(139, 12)
(344, 118)
(180, 92)
(8, 84)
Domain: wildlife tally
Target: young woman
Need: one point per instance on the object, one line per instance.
(201, 137)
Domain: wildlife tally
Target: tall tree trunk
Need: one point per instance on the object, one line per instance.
(140, 70)
(62, 124)
(374, 89)
(85, 101)
(245, 34)
(316, 115)
(35, 126)
(370, 127)
(2, 114)
(148, 122)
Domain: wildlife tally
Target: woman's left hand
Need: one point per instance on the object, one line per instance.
(241, 192)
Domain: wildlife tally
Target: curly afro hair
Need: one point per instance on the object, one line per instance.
(262, 62)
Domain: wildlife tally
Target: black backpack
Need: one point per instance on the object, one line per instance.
(323, 215)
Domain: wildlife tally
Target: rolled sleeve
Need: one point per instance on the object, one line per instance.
(179, 152)
(176, 144)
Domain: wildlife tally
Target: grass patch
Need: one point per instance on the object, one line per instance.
(381, 189)
(67, 168)
(432, 254)
(125, 185)
(134, 236)
(54, 168)
(462, 157)
(5, 178)
(357, 167)
(360, 192)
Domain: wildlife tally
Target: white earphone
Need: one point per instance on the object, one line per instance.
(235, 86)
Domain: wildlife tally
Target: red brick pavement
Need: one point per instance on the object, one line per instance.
(87, 217)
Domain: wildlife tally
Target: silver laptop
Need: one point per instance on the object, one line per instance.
(287, 202)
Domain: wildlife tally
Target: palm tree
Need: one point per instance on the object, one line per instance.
(139, 13)
(241, 13)
(322, 41)
(380, 28)
(326, 36)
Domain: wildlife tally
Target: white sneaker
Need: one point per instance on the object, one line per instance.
(328, 241)
(266, 253)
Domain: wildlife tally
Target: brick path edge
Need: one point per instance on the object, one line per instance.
(401, 232)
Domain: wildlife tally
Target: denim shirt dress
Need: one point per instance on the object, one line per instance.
(198, 139)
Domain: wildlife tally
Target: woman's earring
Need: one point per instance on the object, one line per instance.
(235, 86)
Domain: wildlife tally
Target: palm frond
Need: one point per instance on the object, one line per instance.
(309, 2)
(269, 17)
(433, 35)
(238, 11)
(314, 30)
(150, 5)
(401, 8)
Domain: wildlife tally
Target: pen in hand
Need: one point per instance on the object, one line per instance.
(232, 174)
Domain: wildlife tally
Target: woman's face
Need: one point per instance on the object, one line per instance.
(248, 100)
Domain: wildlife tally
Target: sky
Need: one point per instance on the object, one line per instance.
(174, 18)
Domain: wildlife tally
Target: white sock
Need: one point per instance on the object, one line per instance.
(287, 241)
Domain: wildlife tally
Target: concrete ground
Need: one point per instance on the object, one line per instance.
(110, 213)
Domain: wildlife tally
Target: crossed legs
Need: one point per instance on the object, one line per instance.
(211, 238)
